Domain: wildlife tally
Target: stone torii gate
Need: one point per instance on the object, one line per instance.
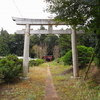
(50, 23)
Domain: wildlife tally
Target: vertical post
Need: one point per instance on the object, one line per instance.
(74, 54)
(26, 51)
(50, 28)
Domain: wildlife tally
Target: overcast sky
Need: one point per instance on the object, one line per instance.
(26, 9)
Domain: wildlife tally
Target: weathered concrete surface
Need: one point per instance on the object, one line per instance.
(26, 51)
(74, 54)
(46, 31)
(24, 21)
(50, 92)
(68, 31)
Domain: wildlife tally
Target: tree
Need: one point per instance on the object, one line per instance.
(51, 41)
(64, 43)
(34, 40)
(40, 50)
(79, 13)
(4, 43)
(42, 27)
(87, 39)
(37, 40)
(36, 50)
(16, 44)
(56, 51)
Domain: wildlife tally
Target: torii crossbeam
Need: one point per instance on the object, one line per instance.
(28, 22)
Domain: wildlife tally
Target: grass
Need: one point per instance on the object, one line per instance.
(32, 89)
(66, 87)
(74, 89)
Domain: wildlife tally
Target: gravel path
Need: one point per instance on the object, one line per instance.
(50, 92)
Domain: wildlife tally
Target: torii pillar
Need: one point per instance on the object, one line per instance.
(74, 54)
(26, 51)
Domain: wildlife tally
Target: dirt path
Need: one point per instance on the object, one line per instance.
(50, 92)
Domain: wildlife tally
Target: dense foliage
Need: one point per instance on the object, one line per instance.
(76, 12)
(14, 43)
(4, 43)
(10, 68)
(36, 62)
(64, 43)
(84, 55)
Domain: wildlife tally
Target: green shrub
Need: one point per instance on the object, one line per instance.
(20, 62)
(31, 63)
(67, 58)
(58, 60)
(12, 58)
(36, 62)
(84, 55)
(10, 67)
(39, 61)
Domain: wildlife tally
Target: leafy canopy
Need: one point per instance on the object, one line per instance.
(79, 13)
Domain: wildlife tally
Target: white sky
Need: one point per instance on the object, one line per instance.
(28, 9)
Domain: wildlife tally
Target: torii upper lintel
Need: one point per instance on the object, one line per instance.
(24, 21)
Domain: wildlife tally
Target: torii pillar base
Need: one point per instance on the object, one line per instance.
(75, 77)
(24, 78)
